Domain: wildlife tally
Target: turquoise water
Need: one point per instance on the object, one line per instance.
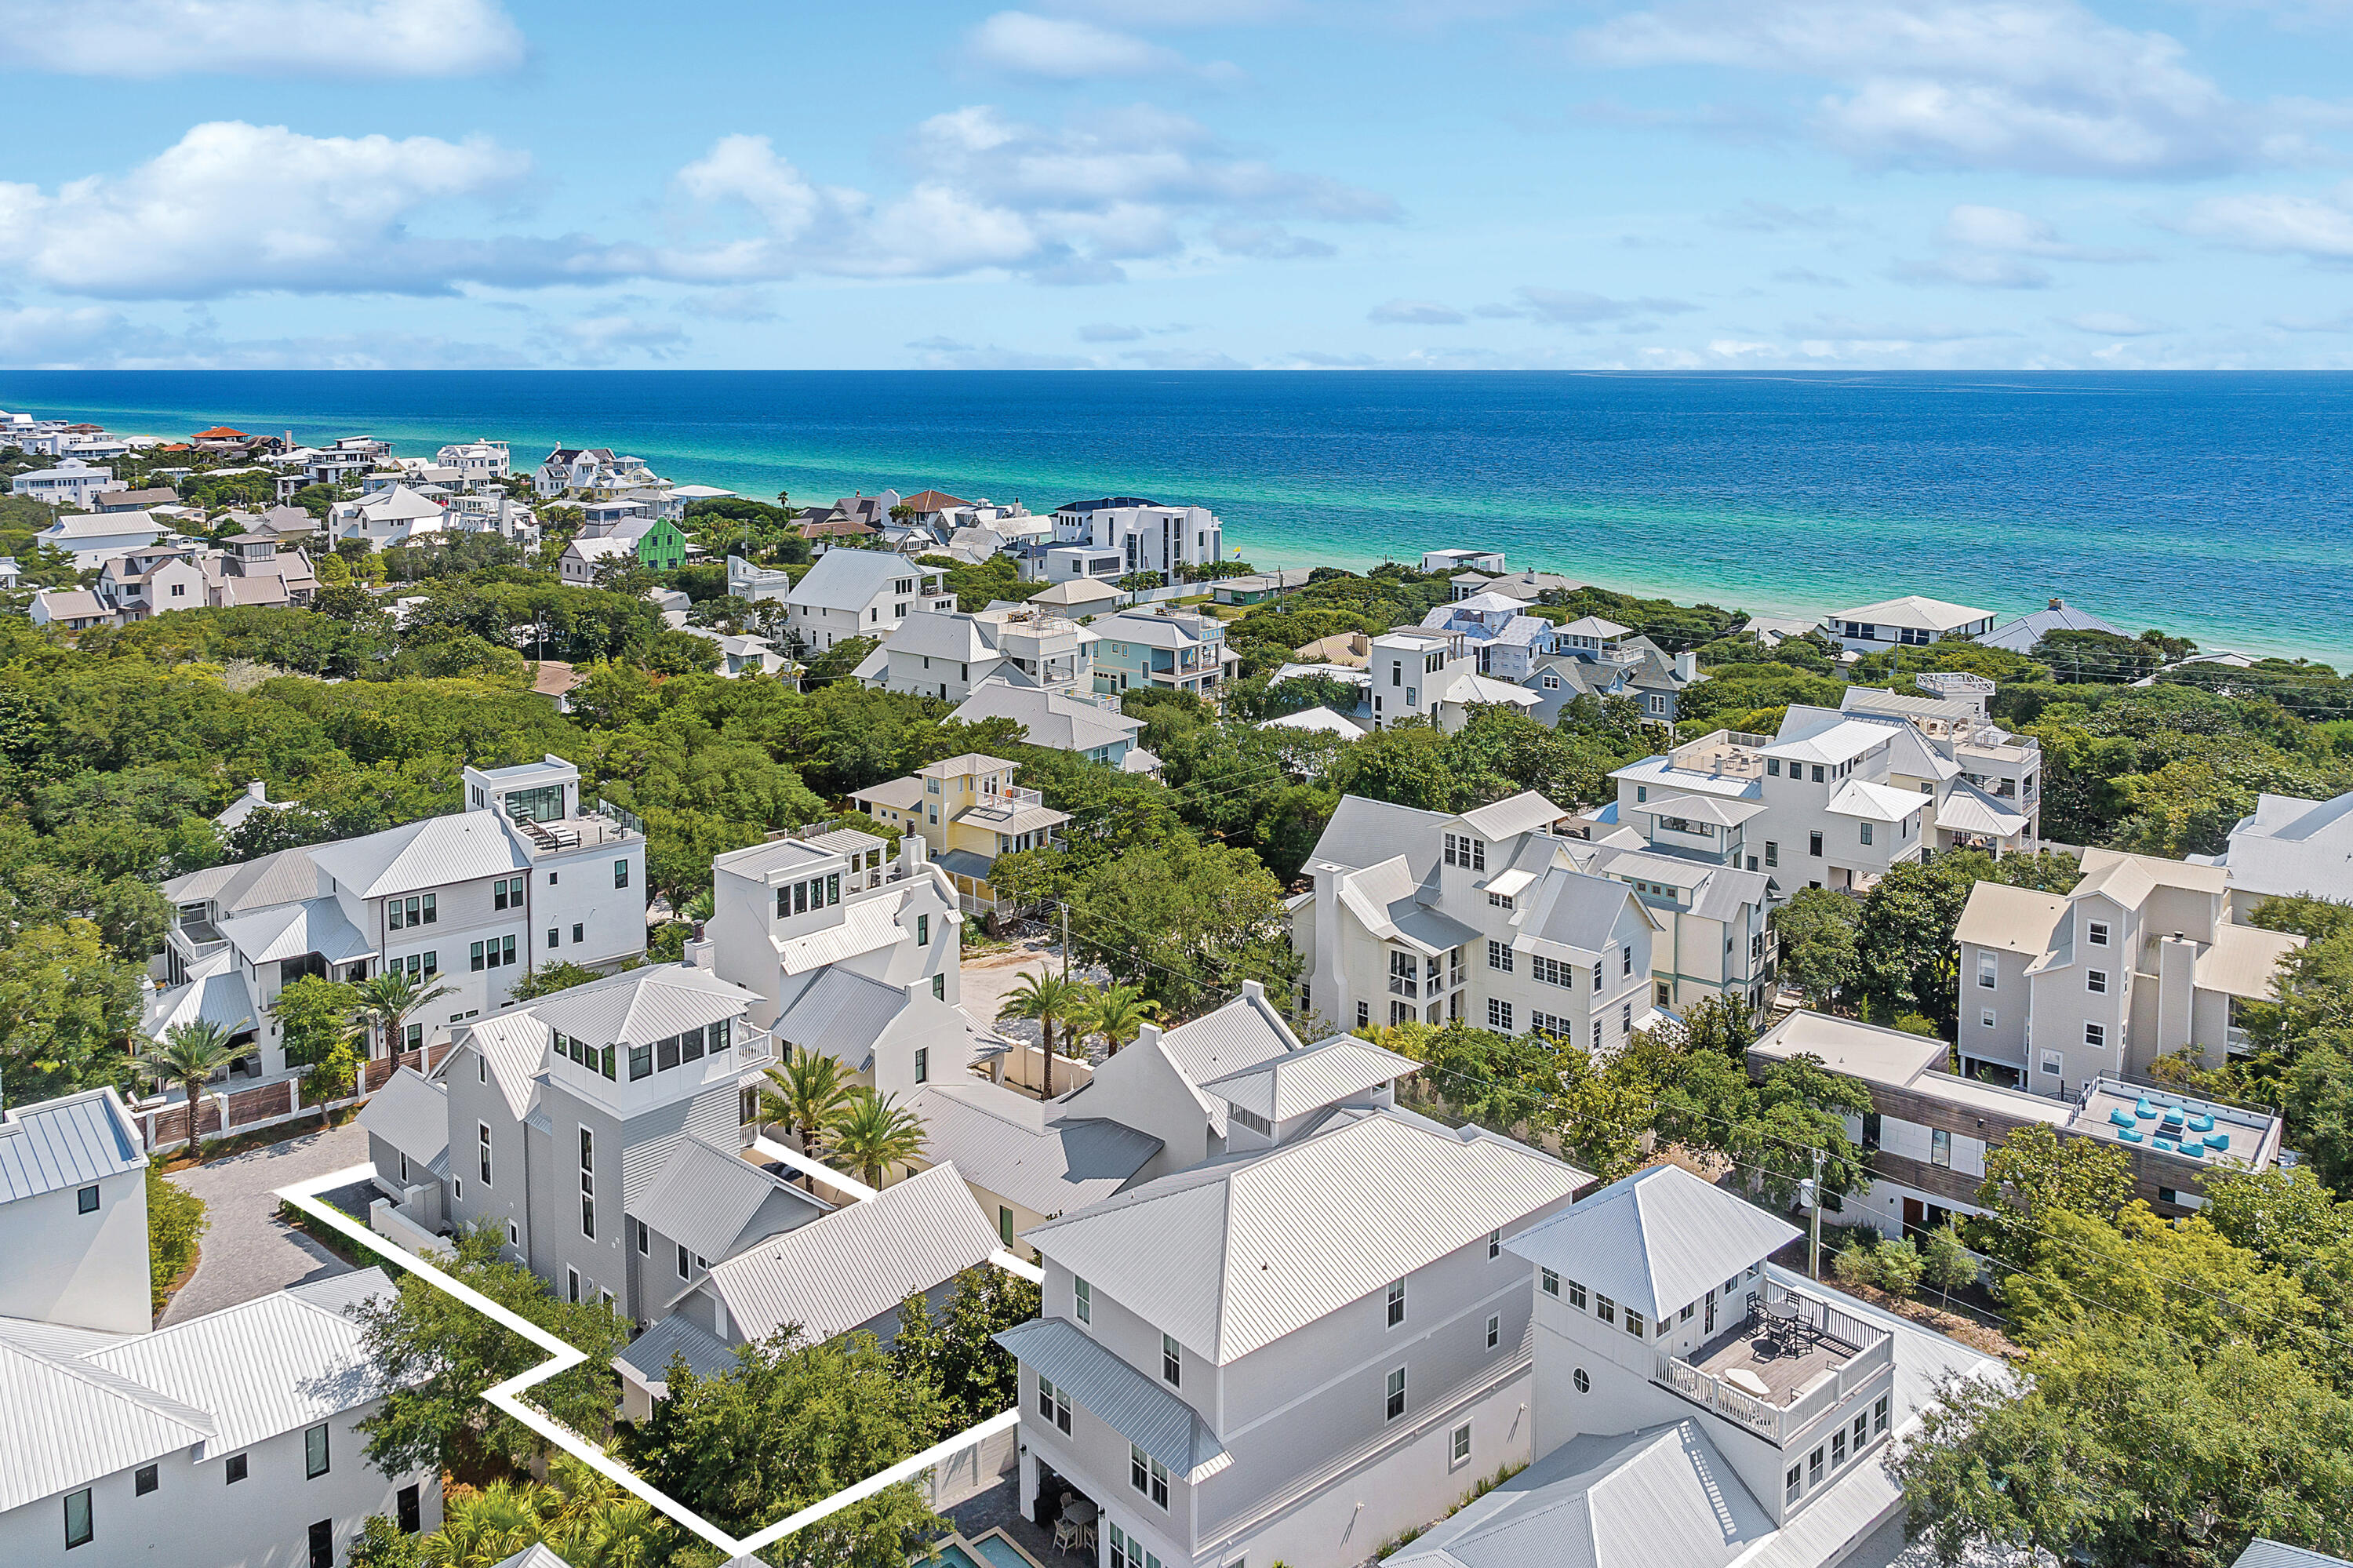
(2212, 504)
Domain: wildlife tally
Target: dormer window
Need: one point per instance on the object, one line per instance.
(1462, 849)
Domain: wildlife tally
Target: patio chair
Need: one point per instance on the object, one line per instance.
(1066, 1534)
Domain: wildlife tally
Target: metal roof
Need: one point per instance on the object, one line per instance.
(648, 1356)
(216, 993)
(1312, 1078)
(1048, 718)
(514, 1046)
(639, 1006)
(70, 1141)
(1877, 802)
(1233, 1255)
(1969, 810)
(1145, 1413)
(411, 1112)
(63, 1424)
(284, 877)
(851, 579)
(705, 1196)
(865, 925)
(434, 852)
(2265, 1552)
(840, 1015)
(1664, 1498)
(1921, 614)
(1522, 813)
(1658, 1240)
(260, 1368)
(856, 1263)
(1002, 1141)
(290, 930)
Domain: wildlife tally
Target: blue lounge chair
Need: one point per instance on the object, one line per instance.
(2146, 1111)
(2164, 1143)
(2218, 1141)
(2202, 1123)
(2130, 1136)
(2121, 1117)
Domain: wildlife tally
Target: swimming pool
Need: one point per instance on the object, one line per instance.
(993, 1550)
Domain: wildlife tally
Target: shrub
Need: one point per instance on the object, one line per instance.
(175, 1223)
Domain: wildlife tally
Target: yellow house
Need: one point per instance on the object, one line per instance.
(968, 811)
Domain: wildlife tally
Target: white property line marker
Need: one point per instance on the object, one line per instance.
(562, 1358)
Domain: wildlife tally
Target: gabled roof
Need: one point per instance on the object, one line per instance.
(1818, 736)
(2014, 919)
(1364, 832)
(1318, 720)
(2105, 868)
(459, 847)
(639, 1006)
(2244, 960)
(1966, 809)
(1656, 1241)
(1661, 1497)
(1236, 1254)
(850, 579)
(1021, 1149)
(64, 1424)
(1913, 611)
(69, 1141)
(858, 1262)
(1575, 914)
(290, 931)
(648, 1356)
(1514, 815)
(1145, 1413)
(514, 1046)
(1593, 626)
(1876, 802)
(1325, 1074)
(1721, 811)
(411, 1112)
(705, 1196)
(1050, 718)
(933, 501)
(841, 1015)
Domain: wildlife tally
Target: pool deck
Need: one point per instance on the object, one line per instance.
(997, 1509)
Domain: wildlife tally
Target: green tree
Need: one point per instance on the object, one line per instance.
(874, 1133)
(67, 1008)
(186, 1058)
(791, 1424)
(1945, 1261)
(975, 1377)
(437, 1354)
(177, 1222)
(808, 1094)
(314, 1016)
(1818, 931)
(386, 998)
(554, 975)
(2031, 1174)
(1990, 1472)
(1046, 999)
(1117, 1014)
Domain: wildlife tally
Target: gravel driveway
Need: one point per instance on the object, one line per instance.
(248, 1251)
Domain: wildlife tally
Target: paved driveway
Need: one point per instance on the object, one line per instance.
(248, 1251)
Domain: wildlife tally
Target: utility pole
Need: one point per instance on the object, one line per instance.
(1814, 1248)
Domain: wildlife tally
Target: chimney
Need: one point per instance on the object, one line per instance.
(912, 850)
(2058, 604)
(1686, 666)
(1254, 990)
(696, 954)
(260, 791)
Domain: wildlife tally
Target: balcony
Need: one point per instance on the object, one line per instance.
(1000, 805)
(753, 1047)
(1807, 1366)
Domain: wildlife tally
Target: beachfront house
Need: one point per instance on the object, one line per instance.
(1141, 535)
(1451, 562)
(1909, 622)
(2291, 846)
(73, 483)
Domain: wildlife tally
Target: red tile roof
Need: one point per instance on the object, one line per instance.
(221, 433)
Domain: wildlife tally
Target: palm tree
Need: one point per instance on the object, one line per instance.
(1049, 998)
(874, 1133)
(387, 998)
(187, 1056)
(809, 1093)
(1118, 1013)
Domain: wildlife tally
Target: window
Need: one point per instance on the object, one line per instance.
(1985, 1018)
(572, 1286)
(1499, 955)
(143, 1480)
(1083, 1296)
(1792, 1484)
(1940, 1147)
(1814, 1469)
(923, 1064)
(2096, 1036)
(2052, 1064)
(1499, 1014)
(1549, 1280)
(2096, 932)
(641, 1062)
(1494, 1330)
(554, 934)
(1458, 1446)
(1577, 1294)
(1584, 1383)
(323, 1544)
(1397, 1303)
(482, 1151)
(235, 1469)
(314, 1451)
(1862, 1432)
(620, 873)
(79, 1529)
(404, 1505)
(1148, 1475)
(1879, 1416)
(1633, 1323)
(1393, 1404)
(1495, 1244)
(1605, 1308)
(1170, 1365)
(1466, 852)
(86, 1201)
(478, 956)
(507, 893)
(1004, 1224)
(2097, 982)
(1837, 1448)
(1814, 841)
(939, 988)
(922, 930)
(682, 1270)
(1988, 971)
(1817, 772)
(1866, 832)
(579, 929)
(587, 1184)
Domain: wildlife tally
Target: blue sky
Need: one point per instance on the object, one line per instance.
(1137, 184)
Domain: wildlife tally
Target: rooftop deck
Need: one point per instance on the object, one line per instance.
(1807, 1366)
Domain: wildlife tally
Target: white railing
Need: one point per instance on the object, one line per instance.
(1873, 1352)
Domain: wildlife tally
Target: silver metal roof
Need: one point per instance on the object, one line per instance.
(639, 1006)
(460, 847)
(70, 1141)
(1145, 1413)
(856, 1263)
(281, 878)
(2265, 1552)
(1664, 1498)
(1001, 1141)
(840, 1015)
(1232, 1256)
(1658, 1240)
(1312, 1078)
(63, 1424)
(290, 931)
(411, 1112)
(514, 1046)
(648, 1356)
(705, 1196)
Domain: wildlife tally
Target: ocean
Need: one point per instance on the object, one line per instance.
(2212, 504)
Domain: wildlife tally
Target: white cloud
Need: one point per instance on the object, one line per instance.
(235, 209)
(2111, 323)
(1973, 271)
(2319, 229)
(1808, 277)
(1266, 241)
(2038, 85)
(1415, 313)
(1998, 229)
(1754, 216)
(259, 38)
(1065, 48)
(1109, 332)
(606, 338)
(93, 337)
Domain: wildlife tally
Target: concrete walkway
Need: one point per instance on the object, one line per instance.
(248, 1251)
